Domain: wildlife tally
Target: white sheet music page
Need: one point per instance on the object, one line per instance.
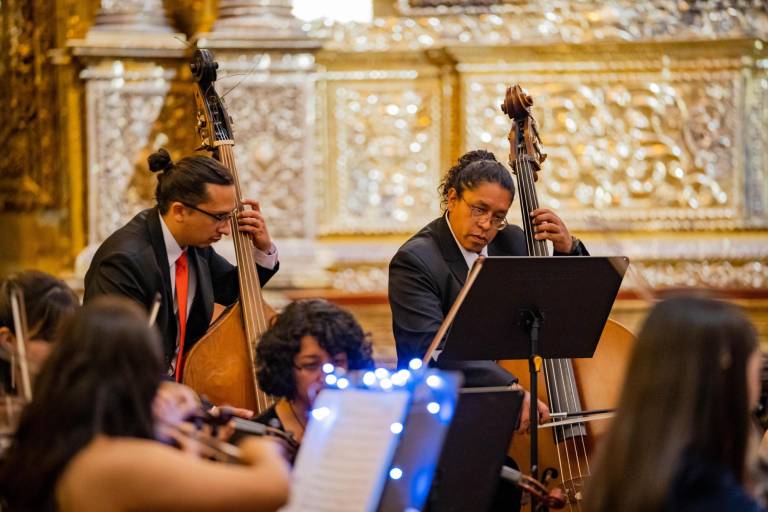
(347, 450)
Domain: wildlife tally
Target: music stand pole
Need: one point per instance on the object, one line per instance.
(532, 320)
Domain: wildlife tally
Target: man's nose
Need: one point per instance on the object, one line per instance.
(484, 222)
(225, 228)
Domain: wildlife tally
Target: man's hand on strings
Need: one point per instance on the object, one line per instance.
(525, 414)
(548, 226)
(252, 222)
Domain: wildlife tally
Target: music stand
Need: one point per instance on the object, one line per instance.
(475, 449)
(531, 308)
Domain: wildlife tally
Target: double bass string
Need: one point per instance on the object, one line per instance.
(552, 367)
(253, 317)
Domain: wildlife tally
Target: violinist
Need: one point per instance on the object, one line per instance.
(290, 357)
(48, 302)
(86, 441)
(682, 433)
(167, 250)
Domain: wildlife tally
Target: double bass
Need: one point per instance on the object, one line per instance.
(565, 385)
(221, 365)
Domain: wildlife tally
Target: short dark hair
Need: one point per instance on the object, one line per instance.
(335, 330)
(185, 180)
(100, 378)
(472, 169)
(47, 300)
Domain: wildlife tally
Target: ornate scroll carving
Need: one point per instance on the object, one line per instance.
(121, 110)
(657, 148)
(384, 157)
(522, 22)
(274, 132)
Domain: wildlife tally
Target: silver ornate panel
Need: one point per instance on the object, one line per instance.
(121, 110)
(631, 150)
(383, 153)
(274, 128)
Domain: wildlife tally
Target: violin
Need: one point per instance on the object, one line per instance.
(551, 498)
(217, 449)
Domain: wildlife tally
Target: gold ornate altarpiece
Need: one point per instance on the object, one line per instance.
(654, 115)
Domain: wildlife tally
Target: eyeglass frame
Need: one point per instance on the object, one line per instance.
(218, 217)
(480, 213)
(316, 366)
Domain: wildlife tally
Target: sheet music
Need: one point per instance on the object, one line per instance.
(345, 456)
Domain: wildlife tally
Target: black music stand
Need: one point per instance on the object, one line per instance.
(532, 307)
(475, 448)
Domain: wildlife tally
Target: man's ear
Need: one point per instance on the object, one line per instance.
(451, 198)
(178, 211)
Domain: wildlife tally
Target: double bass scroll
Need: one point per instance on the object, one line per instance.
(221, 365)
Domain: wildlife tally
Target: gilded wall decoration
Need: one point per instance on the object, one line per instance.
(122, 108)
(272, 110)
(529, 22)
(636, 149)
(715, 274)
(384, 154)
(756, 149)
(31, 178)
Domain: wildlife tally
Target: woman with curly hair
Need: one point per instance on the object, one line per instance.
(290, 358)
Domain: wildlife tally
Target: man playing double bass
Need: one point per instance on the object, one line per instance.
(167, 250)
(428, 271)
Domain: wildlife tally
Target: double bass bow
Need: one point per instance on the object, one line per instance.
(569, 387)
(221, 365)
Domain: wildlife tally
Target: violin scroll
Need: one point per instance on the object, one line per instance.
(525, 148)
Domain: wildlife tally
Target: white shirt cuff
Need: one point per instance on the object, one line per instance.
(267, 259)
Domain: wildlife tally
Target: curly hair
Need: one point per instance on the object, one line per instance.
(335, 330)
(474, 167)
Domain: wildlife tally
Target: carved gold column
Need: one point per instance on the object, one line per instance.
(129, 59)
(266, 76)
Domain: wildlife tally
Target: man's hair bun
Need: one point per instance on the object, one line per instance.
(160, 161)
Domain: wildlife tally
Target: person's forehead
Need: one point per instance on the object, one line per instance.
(489, 192)
(220, 195)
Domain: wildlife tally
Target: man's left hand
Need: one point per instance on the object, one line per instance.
(252, 222)
(548, 226)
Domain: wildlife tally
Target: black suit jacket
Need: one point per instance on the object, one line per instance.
(425, 277)
(133, 262)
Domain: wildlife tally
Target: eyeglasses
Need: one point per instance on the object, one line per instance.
(316, 366)
(218, 217)
(482, 214)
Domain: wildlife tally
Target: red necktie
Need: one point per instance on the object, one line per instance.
(182, 282)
